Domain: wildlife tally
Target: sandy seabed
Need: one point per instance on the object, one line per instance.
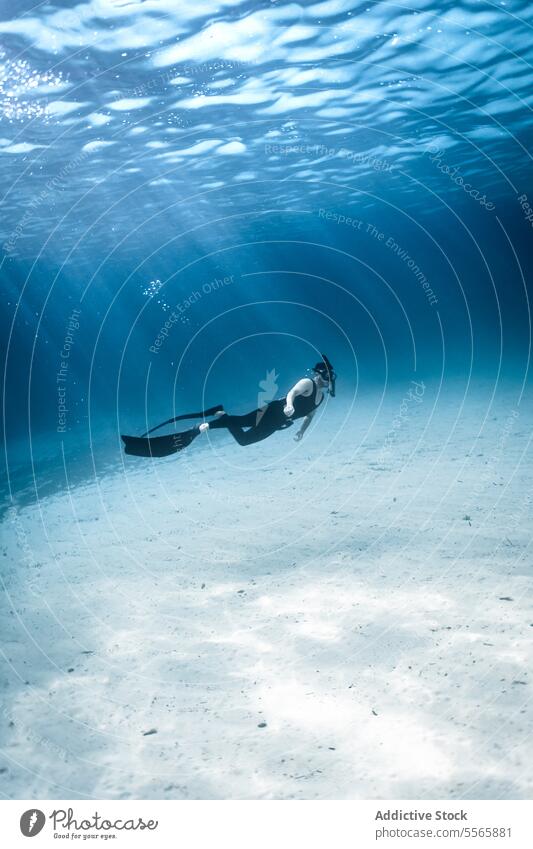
(346, 617)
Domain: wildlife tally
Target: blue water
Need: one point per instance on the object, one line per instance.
(197, 194)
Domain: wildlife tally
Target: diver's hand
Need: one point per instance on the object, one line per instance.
(288, 410)
(298, 436)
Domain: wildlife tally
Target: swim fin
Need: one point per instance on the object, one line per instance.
(163, 446)
(159, 446)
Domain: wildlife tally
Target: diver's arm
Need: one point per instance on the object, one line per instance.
(305, 424)
(303, 387)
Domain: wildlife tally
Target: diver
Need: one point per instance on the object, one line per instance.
(301, 402)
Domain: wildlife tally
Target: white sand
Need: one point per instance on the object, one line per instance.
(384, 639)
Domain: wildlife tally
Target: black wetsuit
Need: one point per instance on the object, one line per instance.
(266, 420)
(262, 423)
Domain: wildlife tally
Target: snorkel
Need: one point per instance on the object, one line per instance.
(326, 371)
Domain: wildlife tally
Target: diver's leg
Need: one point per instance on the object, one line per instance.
(262, 423)
(253, 434)
(227, 421)
(235, 425)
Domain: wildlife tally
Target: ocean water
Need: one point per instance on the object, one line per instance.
(198, 199)
(277, 179)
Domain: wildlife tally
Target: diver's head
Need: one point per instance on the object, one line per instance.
(325, 373)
